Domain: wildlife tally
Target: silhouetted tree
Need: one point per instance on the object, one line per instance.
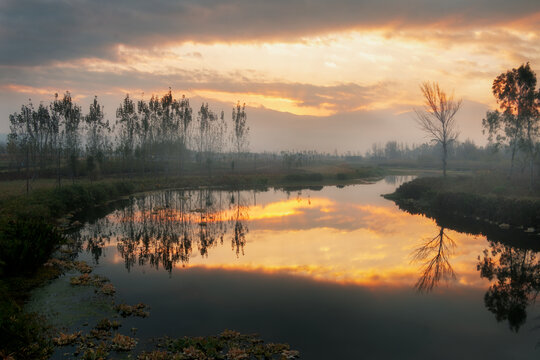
(240, 128)
(71, 119)
(96, 135)
(22, 138)
(437, 119)
(519, 101)
(127, 120)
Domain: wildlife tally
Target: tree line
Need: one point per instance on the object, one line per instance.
(515, 126)
(161, 134)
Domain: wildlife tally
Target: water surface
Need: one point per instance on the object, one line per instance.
(338, 273)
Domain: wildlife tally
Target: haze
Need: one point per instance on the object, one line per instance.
(313, 74)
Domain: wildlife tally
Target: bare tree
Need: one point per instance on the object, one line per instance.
(437, 118)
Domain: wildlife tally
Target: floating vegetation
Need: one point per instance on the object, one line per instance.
(66, 339)
(123, 342)
(108, 289)
(85, 279)
(228, 345)
(83, 267)
(59, 263)
(98, 353)
(106, 324)
(132, 310)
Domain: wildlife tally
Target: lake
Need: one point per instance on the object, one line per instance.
(336, 272)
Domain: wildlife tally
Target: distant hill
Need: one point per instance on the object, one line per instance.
(3, 138)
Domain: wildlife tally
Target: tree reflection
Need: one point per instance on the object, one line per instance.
(162, 228)
(434, 255)
(516, 276)
(240, 212)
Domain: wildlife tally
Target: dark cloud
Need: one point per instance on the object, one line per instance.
(37, 31)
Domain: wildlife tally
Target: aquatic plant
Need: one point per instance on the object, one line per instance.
(123, 342)
(66, 339)
(85, 279)
(132, 310)
(106, 324)
(108, 289)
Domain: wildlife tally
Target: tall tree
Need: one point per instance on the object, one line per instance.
(240, 128)
(437, 118)
(57, 135)
(22, 138)
(127, 120)
(43, 133)
(70, 118)
(184, 116)
(517, 123)
(96, 135)
(144, 133)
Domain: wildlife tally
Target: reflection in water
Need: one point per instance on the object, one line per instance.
(516, 275)
(240, 228)
(314, 240)
(434, 255)
(162, 228)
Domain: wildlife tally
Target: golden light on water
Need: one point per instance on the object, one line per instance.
(321, 238)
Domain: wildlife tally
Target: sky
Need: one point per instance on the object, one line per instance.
(314, 74)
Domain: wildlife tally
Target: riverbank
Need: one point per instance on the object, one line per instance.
(489, 197)
(31, 229)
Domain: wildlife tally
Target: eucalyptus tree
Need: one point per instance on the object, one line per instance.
(44, 129)
(57, 135)
(184, 117)
(240, 130)
(218, 134)
(437, 118)
(154, 107)
(211, 134)
(70, 117)
(516, 126)
(127, 121)
(97, 132)
(144, 133)
(170, 125)
(205, 119)
(21, 139)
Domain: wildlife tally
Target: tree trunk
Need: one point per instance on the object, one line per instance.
(531, 166)
(27, 171)
(444, 159)
(512, 160)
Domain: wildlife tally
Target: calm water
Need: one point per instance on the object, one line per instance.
(338, 273)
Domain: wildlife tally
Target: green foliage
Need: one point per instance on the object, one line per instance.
(25, 244)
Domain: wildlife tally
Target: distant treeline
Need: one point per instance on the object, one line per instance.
(467, 150)
(160, 134)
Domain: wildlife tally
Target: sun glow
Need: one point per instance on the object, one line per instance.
(317, 237)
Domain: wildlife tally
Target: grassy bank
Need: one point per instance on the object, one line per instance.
(30, 230)
(488, 197)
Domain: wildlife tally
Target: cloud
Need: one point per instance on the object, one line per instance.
(340, 97)
(33, 32)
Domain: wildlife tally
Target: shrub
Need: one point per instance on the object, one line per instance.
(25, 244)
